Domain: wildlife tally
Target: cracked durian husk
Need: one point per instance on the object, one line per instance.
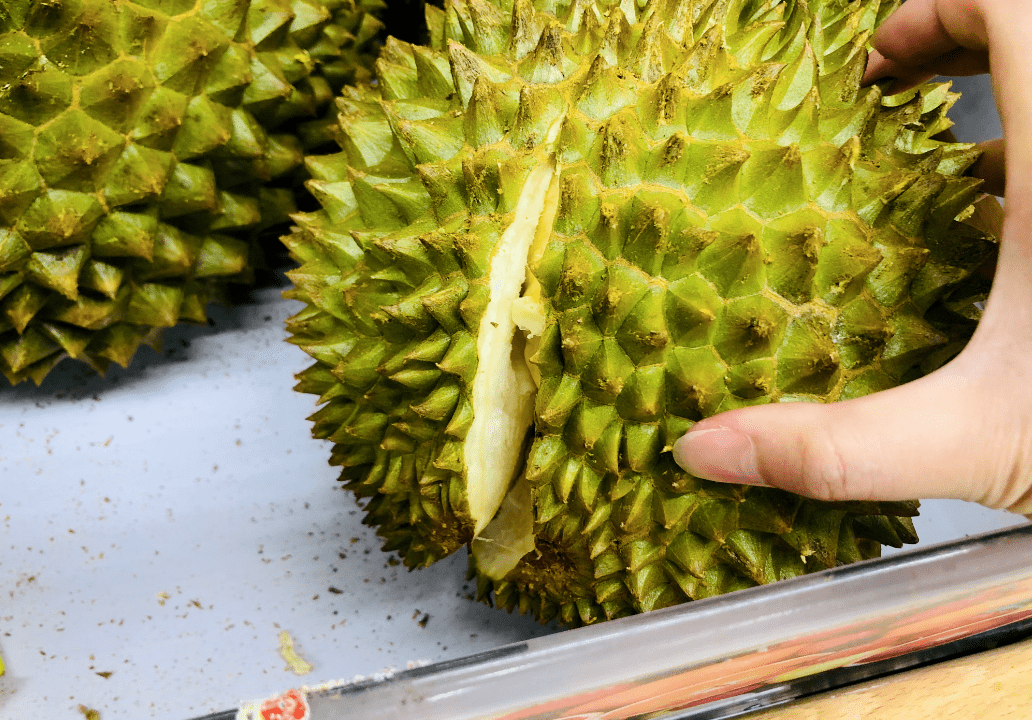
(144, 146)
(562, 233)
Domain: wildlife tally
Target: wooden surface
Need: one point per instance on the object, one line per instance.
(994, 685)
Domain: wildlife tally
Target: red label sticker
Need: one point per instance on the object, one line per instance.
(291, 705)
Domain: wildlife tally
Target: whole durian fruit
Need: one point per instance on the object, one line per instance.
(138, 141)
(565, 231)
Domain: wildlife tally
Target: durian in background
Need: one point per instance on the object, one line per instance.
(563, 232)
(143, 146)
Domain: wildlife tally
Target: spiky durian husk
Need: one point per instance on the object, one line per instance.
(737, 223)
(138, 141)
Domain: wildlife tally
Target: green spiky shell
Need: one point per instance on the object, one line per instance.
(738, 223)
(138, 141)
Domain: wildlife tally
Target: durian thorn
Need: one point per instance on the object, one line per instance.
(550, 45)
(523, 30)
(617, 30)
(850, 151)
(576, 13)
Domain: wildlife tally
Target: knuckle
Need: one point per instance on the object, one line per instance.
(1009, 485)
(824, 471)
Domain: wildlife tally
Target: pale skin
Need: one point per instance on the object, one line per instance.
(964, 431)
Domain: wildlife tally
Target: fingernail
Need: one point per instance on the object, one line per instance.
(719, 454)
(876, 66)
(887, 85)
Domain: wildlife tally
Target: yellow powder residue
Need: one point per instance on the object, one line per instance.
(295, 663)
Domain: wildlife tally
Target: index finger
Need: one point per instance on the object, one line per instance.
(921, 31)
(923, 38)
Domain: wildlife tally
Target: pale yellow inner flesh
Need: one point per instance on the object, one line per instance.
(503, 389)
(506, 382)
(509, 536)
(528, 311)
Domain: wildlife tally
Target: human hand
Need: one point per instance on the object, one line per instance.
(964, 431)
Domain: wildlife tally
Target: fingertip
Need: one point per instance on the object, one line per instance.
(888, 86)
(991, 167)
(877, 67)
(719, 453)
(892, 76)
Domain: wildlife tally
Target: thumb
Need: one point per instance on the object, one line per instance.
(991, 167)
(934, 437)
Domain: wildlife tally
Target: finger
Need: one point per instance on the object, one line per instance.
(906, 76)
(924, 38)
(920, 31)
(961, 61)
(991, 167)
(1012, 87)
(957, 62)
(923, 439)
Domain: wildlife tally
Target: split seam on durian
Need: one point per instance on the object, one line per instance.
(501, 503)
(510, 534)
(503, 389)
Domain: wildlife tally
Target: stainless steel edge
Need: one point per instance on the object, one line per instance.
(701, 654)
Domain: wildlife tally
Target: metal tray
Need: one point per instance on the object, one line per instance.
(729, 655)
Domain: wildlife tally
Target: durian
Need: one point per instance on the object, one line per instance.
(563, 232)
(138, 141)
